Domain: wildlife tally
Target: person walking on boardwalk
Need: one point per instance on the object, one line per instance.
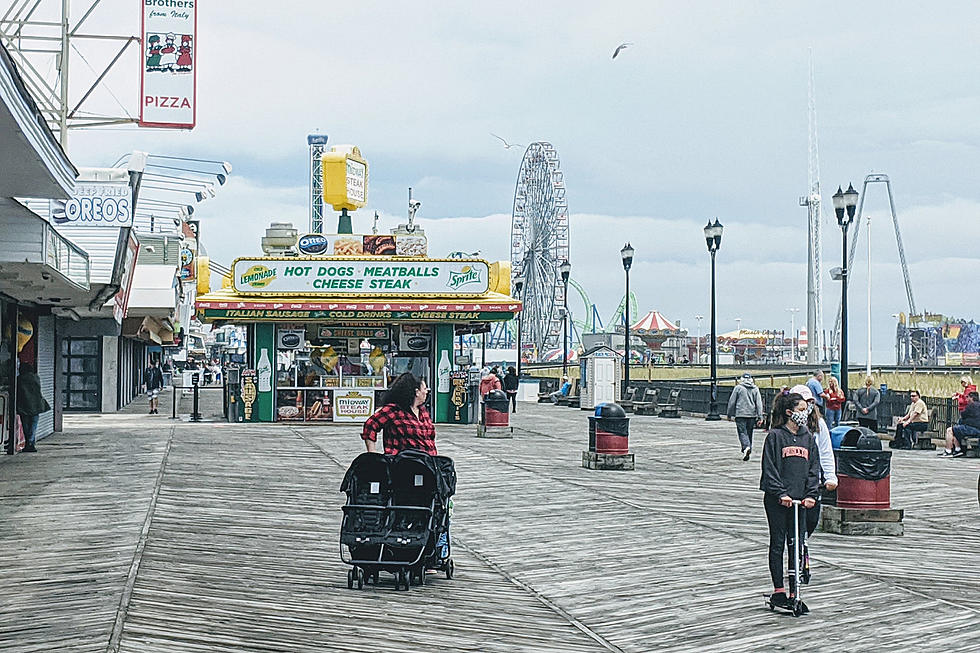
(153, 381)
(403, 419)
(30, 404)
(511, 384)
(745, 405)
(790, 470)
(867, 400)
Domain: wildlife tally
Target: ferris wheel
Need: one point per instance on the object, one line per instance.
(539, 245)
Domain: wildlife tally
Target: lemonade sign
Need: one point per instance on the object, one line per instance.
(335, 276)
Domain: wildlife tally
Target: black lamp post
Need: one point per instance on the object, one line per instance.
(565, 268)
(712, 236)
(627, 254)
(845, 204)
(518, 287)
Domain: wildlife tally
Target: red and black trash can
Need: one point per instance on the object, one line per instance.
(496, 409)
(609, 430)
(863, 471)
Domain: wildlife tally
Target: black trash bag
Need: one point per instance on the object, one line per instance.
(863, 464)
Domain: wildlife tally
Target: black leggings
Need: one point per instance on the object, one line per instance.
(780, 520)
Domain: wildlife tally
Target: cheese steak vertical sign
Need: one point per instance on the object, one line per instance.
(168, 65)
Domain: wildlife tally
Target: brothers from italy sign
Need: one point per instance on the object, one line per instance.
(298, 276)
(168, 72)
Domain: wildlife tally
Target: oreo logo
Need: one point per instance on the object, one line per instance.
(313, 244)
(290, 340)
(418, 343)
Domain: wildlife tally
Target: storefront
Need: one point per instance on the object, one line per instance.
(328, 334)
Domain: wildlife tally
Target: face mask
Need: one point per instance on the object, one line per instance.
(809, 408)
(799, 417)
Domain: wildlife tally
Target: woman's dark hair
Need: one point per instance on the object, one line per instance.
(512, 370)
(402, 391)
(27, 368)
(784, 401)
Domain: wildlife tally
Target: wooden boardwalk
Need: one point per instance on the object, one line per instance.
(138, 533)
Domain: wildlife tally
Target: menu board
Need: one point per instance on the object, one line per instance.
(352, 405)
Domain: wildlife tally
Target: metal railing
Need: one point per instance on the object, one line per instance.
(66, 257)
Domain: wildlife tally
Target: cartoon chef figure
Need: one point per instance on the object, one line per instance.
(153, 53)
(168, 54)
(184, 60)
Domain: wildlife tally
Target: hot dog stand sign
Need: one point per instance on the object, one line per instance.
(352, 405)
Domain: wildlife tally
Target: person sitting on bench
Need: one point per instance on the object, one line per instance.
(566, 387)
(910, 425)
(969, 426)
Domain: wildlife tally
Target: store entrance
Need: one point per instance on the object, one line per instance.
(81, 369)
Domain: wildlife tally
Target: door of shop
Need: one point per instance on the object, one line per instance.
(81, 360)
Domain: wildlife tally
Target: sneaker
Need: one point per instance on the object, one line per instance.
(959, 453)
(746, 452)
(946, 453)
(29, 449)
(779, 599)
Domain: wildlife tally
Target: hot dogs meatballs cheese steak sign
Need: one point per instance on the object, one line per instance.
(360, 277)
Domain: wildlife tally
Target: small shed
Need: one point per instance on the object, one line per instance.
(601, 370)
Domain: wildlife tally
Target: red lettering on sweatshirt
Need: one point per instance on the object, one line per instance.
(801, 452)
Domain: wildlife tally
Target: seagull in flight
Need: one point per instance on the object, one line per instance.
(507, 145)
(622, 46)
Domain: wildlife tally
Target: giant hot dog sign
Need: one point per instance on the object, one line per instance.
(358, 277)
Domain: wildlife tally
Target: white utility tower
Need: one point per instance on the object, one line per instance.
(316, 142)
(814, 282)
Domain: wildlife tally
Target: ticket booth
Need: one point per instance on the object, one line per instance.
(601, 370)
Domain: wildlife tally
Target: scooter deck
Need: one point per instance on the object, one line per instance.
(796, 607)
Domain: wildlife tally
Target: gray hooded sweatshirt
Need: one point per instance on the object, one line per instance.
(746, 401)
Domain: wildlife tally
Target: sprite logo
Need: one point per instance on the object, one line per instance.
(257, 276)
(463, 277)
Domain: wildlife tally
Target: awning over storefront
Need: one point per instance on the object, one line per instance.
(226, 305)
(154, 291)
(150, 329)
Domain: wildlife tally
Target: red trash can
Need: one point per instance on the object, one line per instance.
(609, 430)
(863, 472)
(496, 409)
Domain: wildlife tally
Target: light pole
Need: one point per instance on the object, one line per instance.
(565, 268)
(712, 236)
(518, 287)
(738, 324)
(845, 204)
(627, 254)
(792, 331)
(699, 318)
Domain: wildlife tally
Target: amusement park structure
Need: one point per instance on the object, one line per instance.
(814, 280)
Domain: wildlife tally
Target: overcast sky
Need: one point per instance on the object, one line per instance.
(704, 116)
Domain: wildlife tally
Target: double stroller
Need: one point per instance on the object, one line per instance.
(396, 518)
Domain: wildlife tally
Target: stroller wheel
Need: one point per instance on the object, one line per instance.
(350, 579)
(405, 582)
(360, 579)
(450, 569)
(421, 574)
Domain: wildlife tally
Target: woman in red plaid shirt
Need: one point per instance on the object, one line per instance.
(403, 418)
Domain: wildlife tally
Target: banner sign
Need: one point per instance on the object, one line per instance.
(120, 303)
(269, 315)
(168, 70)
(96, 204)
(345, 178)
(352, 332)
(334, 277)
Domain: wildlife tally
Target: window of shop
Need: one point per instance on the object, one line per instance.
(326, 372)
(81, 360)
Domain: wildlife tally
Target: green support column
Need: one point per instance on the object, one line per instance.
(265, 341)
(444, 342)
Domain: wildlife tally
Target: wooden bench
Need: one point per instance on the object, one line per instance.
(627, 401)
(572, 398)
(650, 404)
(673, 406)
(925, 440)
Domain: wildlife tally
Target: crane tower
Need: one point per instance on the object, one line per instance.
(316, 143)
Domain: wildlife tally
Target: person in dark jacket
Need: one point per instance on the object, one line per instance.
(511, 383)
(30, 404)
(153, 380)
(746, 406)
(866, 400)
(969, 427)
(790, 470)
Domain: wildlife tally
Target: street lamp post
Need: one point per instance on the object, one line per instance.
(845, 204)
(565, 268)
(699, 318)
(518, 287)
(792, 331)
(627, 254)
(712, 236)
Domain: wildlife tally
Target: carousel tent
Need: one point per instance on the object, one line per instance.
(654, 321)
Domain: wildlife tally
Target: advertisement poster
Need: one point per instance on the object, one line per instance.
(168, 65)
(120, 303)
(352, 405)
(96, 204)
